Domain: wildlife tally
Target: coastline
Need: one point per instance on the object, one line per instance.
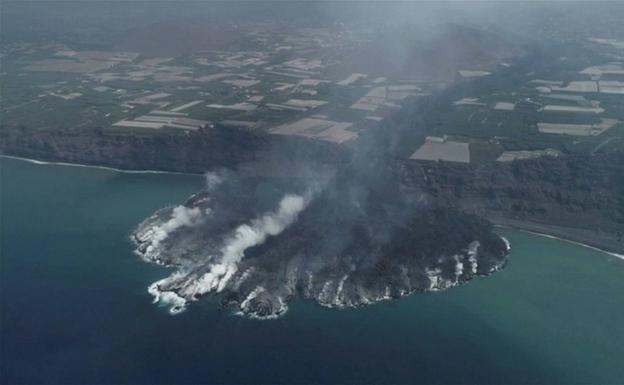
(585, 238)
(119, 170)
(557, 232)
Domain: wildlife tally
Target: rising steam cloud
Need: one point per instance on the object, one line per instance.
(181, 216)
(223, 265)
(246, 236)
(257, 248)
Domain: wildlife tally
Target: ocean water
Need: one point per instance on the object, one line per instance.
(74, 306)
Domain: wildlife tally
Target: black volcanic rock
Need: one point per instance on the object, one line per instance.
(359, 239)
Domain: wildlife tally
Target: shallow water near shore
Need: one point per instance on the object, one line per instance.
(75, 309)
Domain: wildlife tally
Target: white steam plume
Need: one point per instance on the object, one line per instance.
(213, 179)
(244, 237)
(180, 216)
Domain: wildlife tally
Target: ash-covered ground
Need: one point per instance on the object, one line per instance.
(355, 239)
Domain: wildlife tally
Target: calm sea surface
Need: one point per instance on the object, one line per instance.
(74, 306)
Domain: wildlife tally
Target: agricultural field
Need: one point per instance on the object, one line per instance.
(277, 80)
(517, 114)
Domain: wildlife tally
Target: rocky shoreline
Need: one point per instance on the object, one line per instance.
(337, 253)
(384, 197)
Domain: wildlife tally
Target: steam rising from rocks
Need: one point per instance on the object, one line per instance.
(258, 244)
(244, 237)
(181, 216)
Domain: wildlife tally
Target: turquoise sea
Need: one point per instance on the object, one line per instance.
(74, 306)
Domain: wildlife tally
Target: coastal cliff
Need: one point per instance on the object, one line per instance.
(575, 197)
(194, 152)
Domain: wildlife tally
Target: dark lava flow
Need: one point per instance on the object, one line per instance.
(355, 239)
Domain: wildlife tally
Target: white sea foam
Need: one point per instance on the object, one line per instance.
(507, 244)
(44, 163)
(339, 291)
(254, 293)
(620, 256)
(175, 303)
